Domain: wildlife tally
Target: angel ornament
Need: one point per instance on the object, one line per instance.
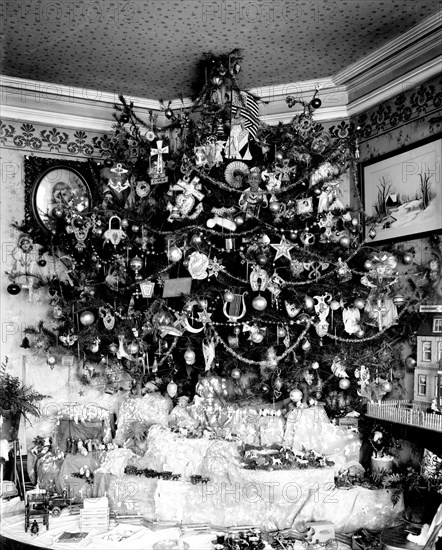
(253, 197)
(322, 309)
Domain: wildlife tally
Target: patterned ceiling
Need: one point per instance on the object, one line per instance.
(151, 48)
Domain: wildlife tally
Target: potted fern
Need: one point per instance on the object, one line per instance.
(16, 400)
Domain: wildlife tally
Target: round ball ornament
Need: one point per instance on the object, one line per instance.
(87, 318)
(387, 387)
(235, 374)
(344, 383)
(262, 259)
(51, 360)
(113, 348)
(275, 207)
(359, 303)
(360, 333)
(257, 337)
(407, 258)
(133, 348)
(229, 296)
(398, 300)
(124, 223)
(14, 289)
(302, 319)
(296, 396)
(410, 362)
(41, 263)
(259, 303)
(334, 305)
(58, 212)
(280, 332)
(308, 303)
(239, 220)
(168, 113)
(136, 263)
(344, 242)
(315, 365)
(265, 388)
(316, 103)
(318, 395)
(175, 254)
(368, 264)
(279, 156)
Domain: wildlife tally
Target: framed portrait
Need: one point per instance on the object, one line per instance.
(402, 192)
(54, 186)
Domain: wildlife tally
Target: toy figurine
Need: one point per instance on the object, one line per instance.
(34, 528)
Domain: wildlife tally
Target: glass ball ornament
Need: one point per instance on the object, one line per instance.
(87, 318)
(14, 289)
(315, 365)
(135, 228)
(136, 263)
(172, 389)
(309, 302)
(281, 332)
(133, 348)
(407, 258)
(259, 303)
(368, 264)
(344, 383)
(344, 242)
(359, 303)
(124, 223)
(58, 212)
(237, 331)
(318, 395)
(279, 156)
(296, 396)
(175, 254)
(196, 239)
(239, 220)
(257, 337)
(360, 333)
(275, 207)
(235, 374)
(189, 356)
(98, 231)
(168, 113)
(51, 360)
(265, 388)
(229, 296)
(334, 305)
(410, 362)
(387, 386)
(262, 259)
(316, 103)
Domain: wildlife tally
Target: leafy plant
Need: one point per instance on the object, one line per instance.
(15, 396)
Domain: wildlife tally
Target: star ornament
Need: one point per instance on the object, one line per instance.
(282, 249)
(204, 317)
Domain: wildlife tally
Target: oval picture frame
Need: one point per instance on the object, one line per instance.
(58, 188)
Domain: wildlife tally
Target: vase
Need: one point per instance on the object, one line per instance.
(10, 424)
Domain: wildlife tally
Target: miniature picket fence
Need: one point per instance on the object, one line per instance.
(405, 412)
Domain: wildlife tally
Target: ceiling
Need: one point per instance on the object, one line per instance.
(152, 48)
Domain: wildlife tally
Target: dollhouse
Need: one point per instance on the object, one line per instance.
(428, 372)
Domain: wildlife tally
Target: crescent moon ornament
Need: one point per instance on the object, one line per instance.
(189, 312)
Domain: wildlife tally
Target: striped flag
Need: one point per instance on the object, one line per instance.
(249, 110)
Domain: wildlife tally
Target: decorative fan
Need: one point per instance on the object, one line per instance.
(235, 172)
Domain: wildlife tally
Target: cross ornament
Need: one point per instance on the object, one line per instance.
(379, 309)
(189, 187)
(160, 150)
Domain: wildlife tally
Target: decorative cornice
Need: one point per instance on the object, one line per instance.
(402, 63)
(430, 26)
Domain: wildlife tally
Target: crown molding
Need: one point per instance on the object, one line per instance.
(414, 36)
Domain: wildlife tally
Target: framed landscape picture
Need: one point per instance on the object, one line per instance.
(402, 192)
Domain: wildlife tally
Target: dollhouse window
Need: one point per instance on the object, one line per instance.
(422, 384)
(426, 351)
(439, 351)
(436, 378)
(437, 324)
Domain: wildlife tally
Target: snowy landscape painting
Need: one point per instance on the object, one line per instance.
(402, 193)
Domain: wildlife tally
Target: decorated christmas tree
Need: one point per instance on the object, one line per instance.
(220, 248)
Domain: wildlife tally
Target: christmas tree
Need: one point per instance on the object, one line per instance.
(220, 246)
